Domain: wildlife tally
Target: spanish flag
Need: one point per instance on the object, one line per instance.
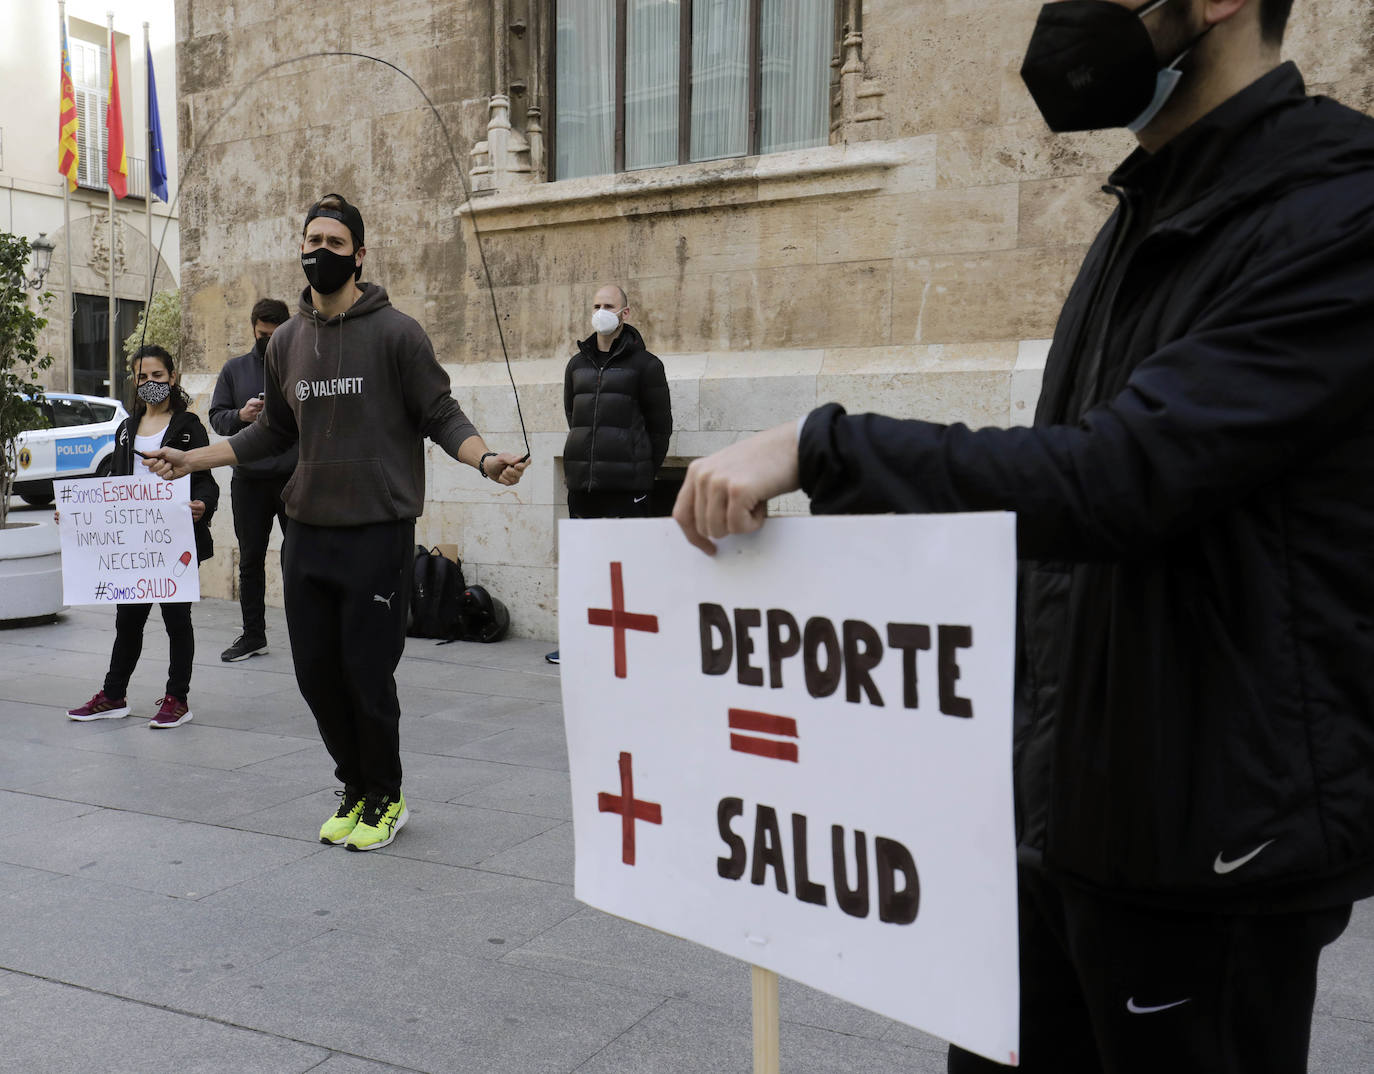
(67, 153)
(117, 161)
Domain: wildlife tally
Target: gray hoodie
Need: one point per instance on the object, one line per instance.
(359, 392)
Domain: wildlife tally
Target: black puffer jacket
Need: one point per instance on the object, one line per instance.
(1195, 512)
(619, 416)
(184, 432)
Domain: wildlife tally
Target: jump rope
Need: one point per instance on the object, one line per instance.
(453, 156)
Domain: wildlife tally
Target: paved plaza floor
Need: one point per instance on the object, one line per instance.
(165, 905)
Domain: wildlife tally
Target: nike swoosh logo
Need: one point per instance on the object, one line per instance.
(641, 499)
(1221, 868)
(1134, 1009)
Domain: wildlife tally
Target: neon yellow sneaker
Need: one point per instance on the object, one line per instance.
(336, 829)
(382, 818)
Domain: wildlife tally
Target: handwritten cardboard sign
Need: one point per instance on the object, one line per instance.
(127, 540)
(798, 752)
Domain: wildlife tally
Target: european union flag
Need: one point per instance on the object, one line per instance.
(157, 163)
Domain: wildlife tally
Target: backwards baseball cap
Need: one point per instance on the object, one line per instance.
(341, 211)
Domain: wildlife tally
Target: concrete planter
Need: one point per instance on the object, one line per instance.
(30, 571)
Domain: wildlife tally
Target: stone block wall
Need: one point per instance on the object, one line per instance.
(917, 271)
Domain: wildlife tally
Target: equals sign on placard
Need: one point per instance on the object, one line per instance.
(763, 723)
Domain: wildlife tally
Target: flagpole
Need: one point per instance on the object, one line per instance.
(113, 322)
(148, 169)
(67, 238)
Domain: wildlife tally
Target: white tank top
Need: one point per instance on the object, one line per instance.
(147, 444)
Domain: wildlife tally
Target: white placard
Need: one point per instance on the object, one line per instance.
(828, 682)
(127, 540)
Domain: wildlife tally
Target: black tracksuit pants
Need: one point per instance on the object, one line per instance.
(347, 591)
(600, 504)
(1115, 988)
(257, 501)
(130, 619)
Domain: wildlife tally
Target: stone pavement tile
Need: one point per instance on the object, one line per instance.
(593, 946)
(19, 877)
(427, 1009)
(170, 857)
(1345, 980)
(449, 734)
(152, 948)
(527, 790)
(59, 690)
(1361, 920)
(282, 712)
(496, 710)
(486, 680)
(296, 818)
(194, 744)
(417, 697)
(379, 895)
(273, 674)
(463, 835)
(23, 811)
(441, 778)
(48, 724)
(351, 1064)
(688, 1038)
(545, 857)
(519, 654)
(914, 1038)
(1341, 1044)
(56, 1029)
(311, 764)
(180, 791)
(539, 748)
(25, 763)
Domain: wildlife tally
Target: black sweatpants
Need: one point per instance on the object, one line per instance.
(599, 504)
(1115, 988)
(257, 501)
(130, 619)
(347, 592)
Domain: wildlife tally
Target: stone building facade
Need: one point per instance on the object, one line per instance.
(914, 262)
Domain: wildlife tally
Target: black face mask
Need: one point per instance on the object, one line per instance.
(1091, 65)
(326, 270)
(260, 342)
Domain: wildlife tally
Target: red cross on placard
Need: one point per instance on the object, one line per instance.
(618, 619)
(629, 808)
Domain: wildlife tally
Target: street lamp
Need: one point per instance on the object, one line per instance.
(42, 259)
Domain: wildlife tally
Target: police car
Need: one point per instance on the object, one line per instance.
(78, 442)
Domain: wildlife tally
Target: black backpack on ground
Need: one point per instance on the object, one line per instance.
(436, 596)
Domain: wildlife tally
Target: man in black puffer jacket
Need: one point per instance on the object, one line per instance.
(1195, 518)
(615, 396)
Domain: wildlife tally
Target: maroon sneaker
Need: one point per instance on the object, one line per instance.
(172, 713)
(100, 707)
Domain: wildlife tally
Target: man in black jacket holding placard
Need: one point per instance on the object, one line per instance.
(1195, 520)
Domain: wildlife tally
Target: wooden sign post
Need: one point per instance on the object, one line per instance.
(766, 1037)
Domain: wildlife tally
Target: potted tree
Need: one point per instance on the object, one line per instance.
(30, 554)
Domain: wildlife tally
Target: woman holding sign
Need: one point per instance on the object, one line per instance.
(160, 418)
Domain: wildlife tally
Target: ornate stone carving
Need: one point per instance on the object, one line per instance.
(856, 111)
(512, 154)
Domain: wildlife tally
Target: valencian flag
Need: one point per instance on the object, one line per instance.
(157, 163)
(117, 166)
(67, 153)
